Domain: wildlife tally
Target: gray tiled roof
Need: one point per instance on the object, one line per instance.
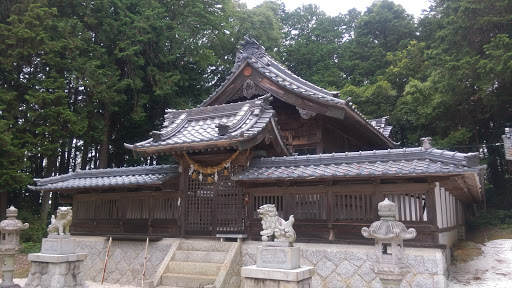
(382, 125)
(115, 177)
(223, 125)
(507, 143)
(254, 53)
(392, 162)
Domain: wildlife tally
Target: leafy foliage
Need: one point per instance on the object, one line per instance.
(37, 227)
(493, 218)
(78, 79)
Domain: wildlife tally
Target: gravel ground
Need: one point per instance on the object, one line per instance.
(493, 269)
(21, 282)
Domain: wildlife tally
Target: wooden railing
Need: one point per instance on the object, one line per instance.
(147, 213)
(354, 206)
(450, 211)
(409, 206)
(338, 212)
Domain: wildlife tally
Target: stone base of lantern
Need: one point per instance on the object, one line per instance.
(56, 270)
(391, 275)
(7, 270)
(255, 277)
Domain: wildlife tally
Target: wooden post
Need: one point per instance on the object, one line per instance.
(145, 257)
(106, 258)
(430, 196)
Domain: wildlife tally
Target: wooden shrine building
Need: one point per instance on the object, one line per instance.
(268, 136)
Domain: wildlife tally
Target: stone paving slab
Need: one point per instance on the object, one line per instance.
(490, 270)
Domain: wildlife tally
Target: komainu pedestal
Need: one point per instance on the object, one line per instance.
(277, 261)
(278, 257)
(58, 264)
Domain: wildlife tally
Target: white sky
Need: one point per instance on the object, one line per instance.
(334, 7)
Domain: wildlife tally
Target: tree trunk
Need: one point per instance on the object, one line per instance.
(104, 146)
(3, 204)
(62, 158)
(85, 156)
(45, 199)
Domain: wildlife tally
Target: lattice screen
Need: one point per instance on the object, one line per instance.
(165, 208)
(138, 208)
(260, 200)
(230, 204)
(84, 210)
(216, 207)
(353, 206)
(310, 207)
(108, 209)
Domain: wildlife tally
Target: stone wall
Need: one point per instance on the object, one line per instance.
(64, 274)
(349, 265)
(126, 259)
(336, 265)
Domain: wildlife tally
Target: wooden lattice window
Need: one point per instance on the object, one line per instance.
(137, 208)
(166, 207)
(108, 209)
(260, 200)
(310, 207)
(84, 210)
(353, 206)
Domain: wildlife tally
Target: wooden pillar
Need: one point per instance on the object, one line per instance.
(151, 207)
(431, 204)
(183, 191)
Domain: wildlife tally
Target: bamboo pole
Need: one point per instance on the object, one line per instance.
(145, 257)
(106, 258)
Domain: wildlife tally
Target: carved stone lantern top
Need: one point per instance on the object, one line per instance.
(10, 232)
(387, 227)
(389, 234)
(11, 223)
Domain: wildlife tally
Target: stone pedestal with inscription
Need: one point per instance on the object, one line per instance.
(278, 257)
(277, 265)
(58, 264)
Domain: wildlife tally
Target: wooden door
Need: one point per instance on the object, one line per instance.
(214, 208)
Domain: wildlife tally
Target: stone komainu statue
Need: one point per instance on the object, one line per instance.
(60, 224)
(274, 227)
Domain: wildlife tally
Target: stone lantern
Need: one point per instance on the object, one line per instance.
(10, 244)
(389, 246)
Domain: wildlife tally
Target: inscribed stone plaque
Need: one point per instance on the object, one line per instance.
(58, 246)
(278, 257)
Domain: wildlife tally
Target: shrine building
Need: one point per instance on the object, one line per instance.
(266, 136)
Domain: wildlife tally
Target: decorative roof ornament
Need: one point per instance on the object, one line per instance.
(305, 114)
(426, 143)
(251, 48)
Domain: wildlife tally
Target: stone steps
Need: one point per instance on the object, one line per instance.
(200, 256)
(194, 268)
(183, 280)
(195, 263)
(207, 246)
